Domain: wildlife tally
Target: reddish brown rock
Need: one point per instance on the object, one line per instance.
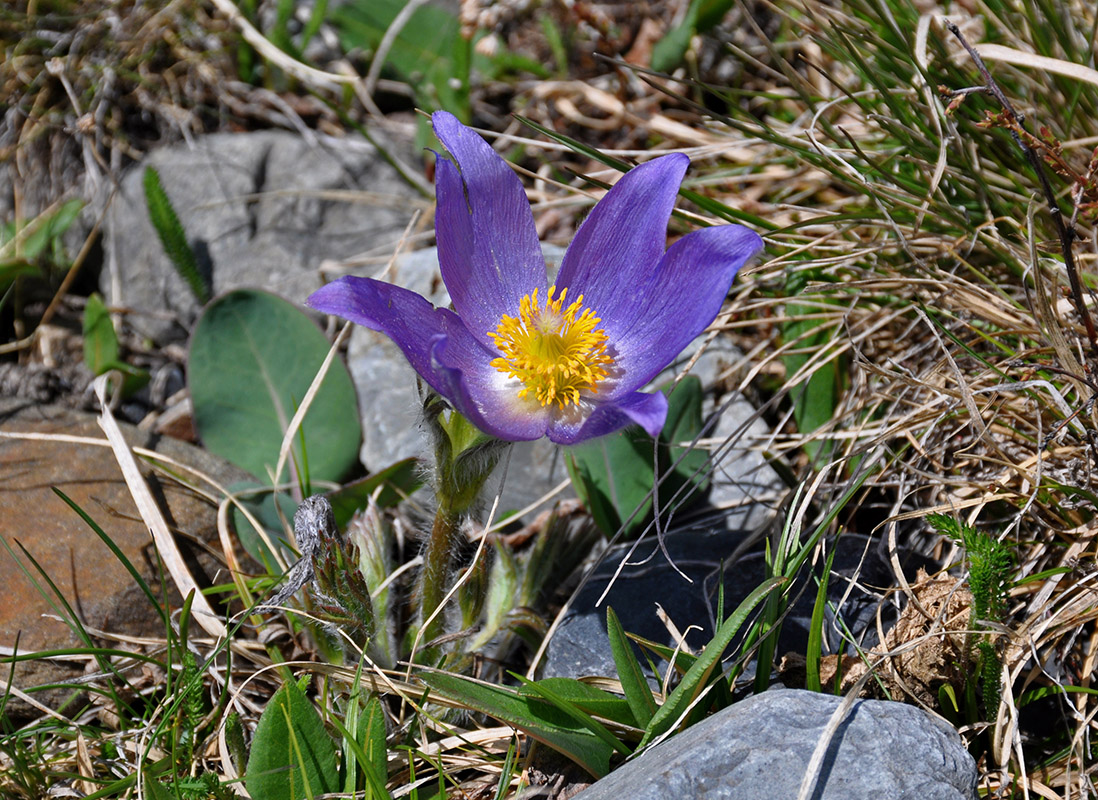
(94, 582)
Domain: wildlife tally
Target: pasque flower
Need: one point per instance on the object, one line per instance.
(522, 359)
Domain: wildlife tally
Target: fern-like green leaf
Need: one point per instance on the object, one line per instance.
(173, 237)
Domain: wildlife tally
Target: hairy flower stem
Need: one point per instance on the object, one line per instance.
(436, 568)
(464, 458)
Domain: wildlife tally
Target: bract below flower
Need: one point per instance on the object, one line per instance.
(522, 359)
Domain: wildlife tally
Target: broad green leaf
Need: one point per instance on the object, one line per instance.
(614, 475)
(711, 12)
(669, 51)
(292, 756)
(583, 696)
(252, 358)
(633, 683)
(549, 692)
(536, 717)
(697, 677)
(262, 505)
(101, 347)
(172, 236)
(683, 424)
(614, 478)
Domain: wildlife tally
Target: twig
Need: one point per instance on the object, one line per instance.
(1066, 233)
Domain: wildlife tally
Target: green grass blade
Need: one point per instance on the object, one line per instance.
(815, 628)
(698, 675)
(541, 720)
(580, 716)
(632, 679)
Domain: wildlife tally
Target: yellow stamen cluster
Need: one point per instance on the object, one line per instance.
(555, 351)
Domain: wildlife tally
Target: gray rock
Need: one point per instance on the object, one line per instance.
(745, 491)
(649, 582)
(761, 747)
(260, 210)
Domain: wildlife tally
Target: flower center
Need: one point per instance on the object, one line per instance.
(556, 351)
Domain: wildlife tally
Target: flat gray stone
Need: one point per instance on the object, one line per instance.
(745, 491)
(260, 210)
(761, 748)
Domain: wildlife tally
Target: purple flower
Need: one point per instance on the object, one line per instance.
(522, 359)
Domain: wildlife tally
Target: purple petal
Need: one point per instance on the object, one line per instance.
(441, 349)
(487, 243)
(684, 295)
(647, 410)
(483, 394)
(616, 249)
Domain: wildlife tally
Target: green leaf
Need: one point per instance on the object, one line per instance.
(551, 690)
(172, 236)
(100, 340)
(101, 347)
(815, 396)
(10, 270)
(364, 741)
(697, 677)
(614, 479)
(270, 508)
(684, 423)
(587, 698)
(633, 683)
(711, 12)
(396, 482)
(669, 51)
(429, 53)
(539, 719)
(252, 358)
(155, 790)
(46, 232)
(702, 15)
(376, 754)
(614, 475)
(815, 628)
(292, 755)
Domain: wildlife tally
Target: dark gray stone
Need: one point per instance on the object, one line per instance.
(580, 646)
(260, 210)
(761, 747)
